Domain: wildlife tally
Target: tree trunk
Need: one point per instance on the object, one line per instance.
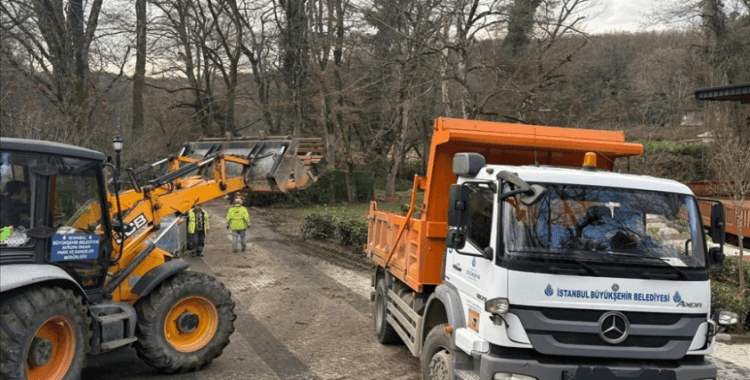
(740, 238)
(140, 67)
(230, 126)
(397, 154)
(351, 186)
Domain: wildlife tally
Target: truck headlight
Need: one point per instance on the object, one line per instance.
(498, 306)
(726, 317)
(511, 376)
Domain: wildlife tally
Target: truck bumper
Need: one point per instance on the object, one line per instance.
(489, 365)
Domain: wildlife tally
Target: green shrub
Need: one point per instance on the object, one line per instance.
(318, 227)
(352, 232)
(694, 150)
(725, 291)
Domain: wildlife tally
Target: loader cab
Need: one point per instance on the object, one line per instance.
(52, 209)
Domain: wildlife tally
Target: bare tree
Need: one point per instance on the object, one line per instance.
(294, 56)
(731, 165)
(256, 46)
(185, 27)
(139, 76)
(56, 36)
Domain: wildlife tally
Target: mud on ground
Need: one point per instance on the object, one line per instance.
(288, 222)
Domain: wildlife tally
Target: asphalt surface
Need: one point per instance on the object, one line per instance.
(300, 317)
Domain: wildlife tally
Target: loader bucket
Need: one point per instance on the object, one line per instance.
(277, 163)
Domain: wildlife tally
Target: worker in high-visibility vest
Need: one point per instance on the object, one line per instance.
(198, 227)
(239, 221)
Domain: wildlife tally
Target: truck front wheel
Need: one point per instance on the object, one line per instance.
(384, 330)
(45, 335)
(437, 358)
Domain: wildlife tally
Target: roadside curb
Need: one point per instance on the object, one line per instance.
(738, 339)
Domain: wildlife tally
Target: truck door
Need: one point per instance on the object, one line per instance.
(466, 267)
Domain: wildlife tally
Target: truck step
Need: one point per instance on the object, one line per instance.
(105, 319)
(466, 375)
(117, 343)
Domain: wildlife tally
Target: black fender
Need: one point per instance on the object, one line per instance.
(156, 275)
(445, 297)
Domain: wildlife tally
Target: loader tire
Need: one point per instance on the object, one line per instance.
(44, 335)
(184, 323)
(437, 358)
(384, 330)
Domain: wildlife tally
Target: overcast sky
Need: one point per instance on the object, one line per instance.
(617, 15)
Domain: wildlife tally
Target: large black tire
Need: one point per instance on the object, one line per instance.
(437, 358)
(55, 315)
(385, 332)
(153, 345)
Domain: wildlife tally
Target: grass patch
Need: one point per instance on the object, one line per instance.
(346, 212)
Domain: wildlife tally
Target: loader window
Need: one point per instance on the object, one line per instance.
(16, 202)
(76, 216)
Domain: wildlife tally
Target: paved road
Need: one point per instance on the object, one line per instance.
(299, 318)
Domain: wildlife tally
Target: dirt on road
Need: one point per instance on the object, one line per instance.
(303, 313)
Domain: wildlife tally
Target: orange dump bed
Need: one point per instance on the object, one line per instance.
(411, 246)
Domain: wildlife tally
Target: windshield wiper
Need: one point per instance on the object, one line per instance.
(586, 268)
(680, 274)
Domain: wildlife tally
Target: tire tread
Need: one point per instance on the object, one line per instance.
(152, 346)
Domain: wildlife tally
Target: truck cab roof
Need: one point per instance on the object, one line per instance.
(49, 147)
(549, 174)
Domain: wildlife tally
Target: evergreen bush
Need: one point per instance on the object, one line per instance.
(318, 227)
(725, 292)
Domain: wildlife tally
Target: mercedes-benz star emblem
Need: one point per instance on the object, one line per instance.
(615, 287)
(613, 327)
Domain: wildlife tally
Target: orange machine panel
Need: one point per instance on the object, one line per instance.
(412, 248)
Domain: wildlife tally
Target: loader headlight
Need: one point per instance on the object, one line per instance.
(497, 306)
(726, 317)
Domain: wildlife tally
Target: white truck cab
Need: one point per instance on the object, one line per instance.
(568, 273)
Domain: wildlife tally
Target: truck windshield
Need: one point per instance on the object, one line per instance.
(608, 225)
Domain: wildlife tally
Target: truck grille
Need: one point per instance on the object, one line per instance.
(576, 332)
(595, 340)
(635, 318)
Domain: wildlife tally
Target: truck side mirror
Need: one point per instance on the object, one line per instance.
(458, 205)
(458, 212)
(455, 239)
(716, 231)
(716, 257)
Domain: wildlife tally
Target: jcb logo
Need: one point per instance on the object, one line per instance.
(135, 225)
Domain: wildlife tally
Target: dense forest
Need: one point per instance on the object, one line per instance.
(370, 77)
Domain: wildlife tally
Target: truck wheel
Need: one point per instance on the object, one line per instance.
(437, 358)
(45, 334)
(384, 330)
(185, 323)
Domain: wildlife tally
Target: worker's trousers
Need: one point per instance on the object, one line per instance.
(241, 236)
(199, 240)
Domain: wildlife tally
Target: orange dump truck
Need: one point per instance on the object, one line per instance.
(530, 259)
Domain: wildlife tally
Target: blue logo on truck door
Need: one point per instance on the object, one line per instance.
(677, 297)
(548, 291)
(74, 247)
